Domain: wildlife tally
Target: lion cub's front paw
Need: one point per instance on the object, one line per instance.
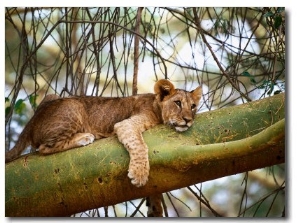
(138, 173)
(84, 139)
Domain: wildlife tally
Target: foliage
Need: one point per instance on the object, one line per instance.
(236, 54)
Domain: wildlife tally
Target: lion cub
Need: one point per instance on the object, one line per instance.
(64, 123)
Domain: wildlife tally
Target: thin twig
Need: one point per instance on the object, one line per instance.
(136, 51)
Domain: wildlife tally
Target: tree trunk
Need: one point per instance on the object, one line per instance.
(220, 143)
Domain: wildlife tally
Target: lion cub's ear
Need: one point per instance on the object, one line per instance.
(163, 88)
(197, 94)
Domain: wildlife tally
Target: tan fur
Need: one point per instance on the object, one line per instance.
(64, 123)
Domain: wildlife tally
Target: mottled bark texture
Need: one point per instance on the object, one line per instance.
(220, 143)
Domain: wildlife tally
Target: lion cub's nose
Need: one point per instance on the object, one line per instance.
(187, 120)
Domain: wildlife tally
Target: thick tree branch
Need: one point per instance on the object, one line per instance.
(220, 143)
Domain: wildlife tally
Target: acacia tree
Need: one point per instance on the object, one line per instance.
(236, 54)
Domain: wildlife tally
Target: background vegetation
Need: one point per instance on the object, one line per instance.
(236, 54)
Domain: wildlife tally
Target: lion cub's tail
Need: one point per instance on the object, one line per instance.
(21, 144)
(24, 138)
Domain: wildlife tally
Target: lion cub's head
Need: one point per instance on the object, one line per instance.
(178, 106)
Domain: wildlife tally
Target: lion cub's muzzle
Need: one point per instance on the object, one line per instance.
(181, 125)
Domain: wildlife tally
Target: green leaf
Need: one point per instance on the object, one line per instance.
(32, 100)
(20, 106)
(278, 21)
(251, 77)
(6, 99)
(268, 14)
(7, 110)
(264, 84)
(280, 9)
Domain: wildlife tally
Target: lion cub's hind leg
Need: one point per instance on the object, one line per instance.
(78, 140)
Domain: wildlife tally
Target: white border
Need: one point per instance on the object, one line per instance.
(292, 78)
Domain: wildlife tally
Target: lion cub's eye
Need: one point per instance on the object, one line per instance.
(193, 106)
(178, 103)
